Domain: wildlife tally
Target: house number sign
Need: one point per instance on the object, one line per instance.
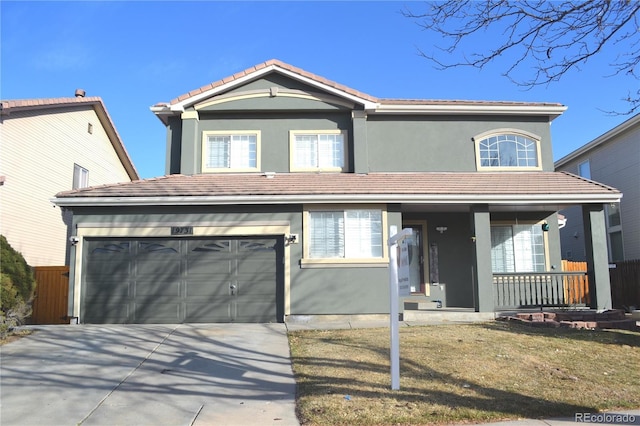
(182, 230)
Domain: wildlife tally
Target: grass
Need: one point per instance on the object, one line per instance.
(463, 373)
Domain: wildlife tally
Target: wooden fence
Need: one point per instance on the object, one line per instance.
(577, 290)
(52, 292)
(625, 284)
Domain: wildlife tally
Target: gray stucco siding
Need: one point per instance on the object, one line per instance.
(281, 102)
(416, 143)
(174, 146)
(340, 291)
(274, 80)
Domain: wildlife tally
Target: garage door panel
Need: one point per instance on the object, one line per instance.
(113, 269)
(159, 268)
(254, 311)
(157, 312)
(208, 288)
(114, 313)
(208, 266)
(209, 311)
(159, 280)
(157, 288)
(108, 290)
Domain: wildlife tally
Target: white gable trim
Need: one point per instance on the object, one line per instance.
(180, 106)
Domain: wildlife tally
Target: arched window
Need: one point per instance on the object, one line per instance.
(507, 150)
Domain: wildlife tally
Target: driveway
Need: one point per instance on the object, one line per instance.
(188, 374)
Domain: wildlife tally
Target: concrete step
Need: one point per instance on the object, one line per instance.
(417, 305)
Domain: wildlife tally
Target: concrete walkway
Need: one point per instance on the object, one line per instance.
(166, 375)
(200, 374)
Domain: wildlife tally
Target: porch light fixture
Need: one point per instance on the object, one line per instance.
(441, 229)
(545, 227)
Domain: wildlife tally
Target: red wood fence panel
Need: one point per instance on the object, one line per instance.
(52, 292)
(577, 290)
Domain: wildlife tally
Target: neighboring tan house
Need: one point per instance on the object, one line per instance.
(48, 146)
(282, 187)
(613, 159)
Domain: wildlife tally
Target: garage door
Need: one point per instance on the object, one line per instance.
(152, 280)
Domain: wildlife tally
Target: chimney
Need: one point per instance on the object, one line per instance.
(80, 93)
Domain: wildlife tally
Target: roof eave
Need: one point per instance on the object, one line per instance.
(550, 111)
(179, 107)
(519, 199)
(605, 137)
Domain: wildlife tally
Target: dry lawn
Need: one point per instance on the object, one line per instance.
(463, 373)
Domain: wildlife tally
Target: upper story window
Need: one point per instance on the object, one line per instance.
(507, 150)
(584, 169)
(317, 150)
(80, 177)
(225, 151)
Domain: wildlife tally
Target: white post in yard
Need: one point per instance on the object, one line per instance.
(393, 300)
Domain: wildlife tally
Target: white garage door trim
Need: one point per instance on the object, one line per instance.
(225, 229)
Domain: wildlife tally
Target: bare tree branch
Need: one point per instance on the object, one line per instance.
(550, 38)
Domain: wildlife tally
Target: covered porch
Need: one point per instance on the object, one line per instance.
(484, 259)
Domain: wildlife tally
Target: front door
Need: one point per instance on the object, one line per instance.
(416, 259)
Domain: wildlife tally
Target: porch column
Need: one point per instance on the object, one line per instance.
(482, 274)
(360, 148)
(595, 242)
(191, 149)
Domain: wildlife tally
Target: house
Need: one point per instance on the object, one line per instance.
(48, 146)
(614, 159)
(281, 188)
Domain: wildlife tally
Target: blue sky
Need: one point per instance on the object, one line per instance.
(136, 54)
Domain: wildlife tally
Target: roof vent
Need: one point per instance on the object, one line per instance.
(80, 93)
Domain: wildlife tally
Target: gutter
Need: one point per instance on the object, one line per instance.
(535, 199)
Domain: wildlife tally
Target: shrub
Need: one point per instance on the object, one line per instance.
(17, 285)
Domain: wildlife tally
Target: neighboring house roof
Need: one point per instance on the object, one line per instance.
(600, 140)
(371, 104)
(509, 188)
(9, 106)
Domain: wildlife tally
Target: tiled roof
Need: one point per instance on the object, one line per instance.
(279, 64)
(8, 105)
(343, 88)
(300, 185)
(95, 102)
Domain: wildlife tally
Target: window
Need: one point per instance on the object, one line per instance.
(616, 252)
(584, 170)
(231, 151)
(80, 177)
(613, 214)
(517, 248)
(336, 235)
(507, 150)
(317, 150)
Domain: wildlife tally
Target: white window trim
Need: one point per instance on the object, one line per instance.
(535, 138)
(307, 262)
(208, 133)
(586, 162)
(292, 152)
(80, 177)
(545, 238)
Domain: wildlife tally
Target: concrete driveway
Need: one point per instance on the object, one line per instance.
(189, 374)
